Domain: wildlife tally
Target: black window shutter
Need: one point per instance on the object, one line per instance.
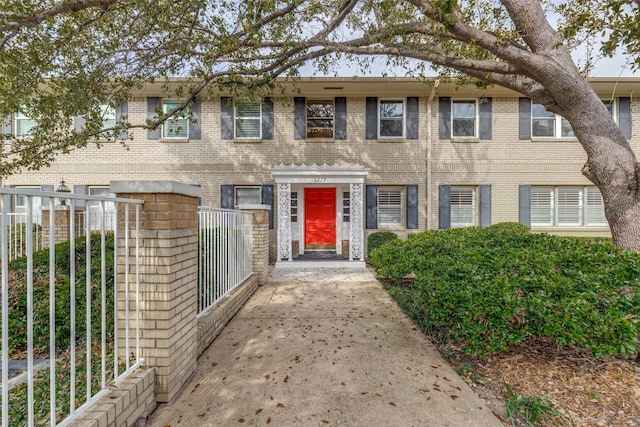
(413, 118)
(412, 206)
(300, 118)
(372, 207)
(444, 105)
(80, 189)
(525, 118)
(194, 126)
(371, 118)
(267, 199)
(444, 206)
(341, 117)
(7, 125)
(122, 111)
(625, 116)
(485, 205)
(226, 117)
(267, 118)
(45, 200)
(226, 196)
(524, 216)
(153, 103)
(485, 118)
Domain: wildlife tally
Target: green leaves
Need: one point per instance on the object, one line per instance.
(489, 289)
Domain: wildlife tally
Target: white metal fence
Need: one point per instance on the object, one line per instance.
(66, 319)
(17, 228)
(224, 253)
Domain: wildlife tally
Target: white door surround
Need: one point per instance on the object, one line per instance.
(326, 175)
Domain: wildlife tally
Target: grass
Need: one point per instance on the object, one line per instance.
(530, 409)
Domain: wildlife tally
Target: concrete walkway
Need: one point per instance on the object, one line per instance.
(323, 347)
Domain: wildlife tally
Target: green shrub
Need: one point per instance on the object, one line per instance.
(378, 239)
(492, 288)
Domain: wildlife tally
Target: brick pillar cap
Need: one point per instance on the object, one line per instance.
(172, 187)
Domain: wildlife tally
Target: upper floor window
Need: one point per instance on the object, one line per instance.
(178, 125)
(108, 114)
(545, 124)
(567, 206)
(248, 119)
(464, 118)
(391, 118)
(249, 195)
(390, 206)
(320, 115)
(24, 125)
(463, 207)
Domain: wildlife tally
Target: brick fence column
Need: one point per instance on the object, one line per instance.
(260, 241)
(168, 254)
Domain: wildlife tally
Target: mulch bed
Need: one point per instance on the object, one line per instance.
(586, 390)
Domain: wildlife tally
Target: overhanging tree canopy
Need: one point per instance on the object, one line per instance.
(67, 58)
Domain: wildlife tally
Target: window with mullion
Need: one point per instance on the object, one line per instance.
(391, 118)
(24, 125)
(248, 119)
(178, 125)
(108, 114)
(463, 207)
(320, 118)
(247, 195)
(464, 118)
(545, 124)
(567, 206)
(390, 202)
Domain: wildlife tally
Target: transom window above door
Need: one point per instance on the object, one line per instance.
(320, 118)
(248, 119)
(391, 118)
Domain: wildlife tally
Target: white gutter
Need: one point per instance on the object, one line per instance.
(429, 143)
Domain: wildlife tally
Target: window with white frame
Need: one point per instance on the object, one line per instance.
(611, 107)
(463, 207)
(22, 205)
(391, 118)
(247, 195)
(545, 124)
(390, 206)
(464, 118)
(24, 125)
(567, 206)
(178, 125)
(248, 119)
(320, 114)
(108, 114)
(95, 208)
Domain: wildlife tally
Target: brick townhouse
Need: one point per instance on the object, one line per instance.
(339, 158)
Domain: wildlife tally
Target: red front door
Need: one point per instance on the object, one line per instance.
(320, 218)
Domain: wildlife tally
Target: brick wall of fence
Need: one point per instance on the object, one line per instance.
(172, 336)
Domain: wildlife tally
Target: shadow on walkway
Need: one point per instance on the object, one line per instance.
(323, 347)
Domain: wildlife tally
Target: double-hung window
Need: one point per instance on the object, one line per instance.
(464, 118)
(178, 125)
(21, 206)
(545, 124)
(247, 195)
(320, 118)
(391, 118)
(567, 206)
(108, 114)
(248, 119)
(95, 209)
(390, 206)
(24, 125)
(463, 207)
